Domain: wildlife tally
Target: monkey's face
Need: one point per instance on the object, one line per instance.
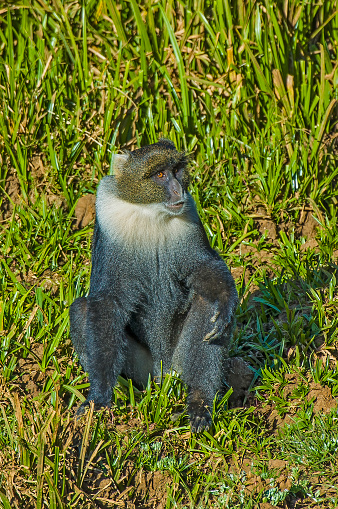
(170, 183)
(155, 174)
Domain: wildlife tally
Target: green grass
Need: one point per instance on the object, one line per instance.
(250, 90)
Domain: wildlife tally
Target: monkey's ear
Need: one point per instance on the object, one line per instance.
(119, 162)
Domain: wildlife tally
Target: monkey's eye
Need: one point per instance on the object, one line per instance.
(160, 175)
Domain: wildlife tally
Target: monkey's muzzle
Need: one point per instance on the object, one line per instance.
(176, 206)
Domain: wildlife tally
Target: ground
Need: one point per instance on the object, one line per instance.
(249, 91)
(280, 406)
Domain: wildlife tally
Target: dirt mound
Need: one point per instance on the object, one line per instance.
(318, 395)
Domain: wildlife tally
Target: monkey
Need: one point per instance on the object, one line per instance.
(160, 297)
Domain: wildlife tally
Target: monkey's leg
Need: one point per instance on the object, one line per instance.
(105, 346)
(77, 318)
(201, 366)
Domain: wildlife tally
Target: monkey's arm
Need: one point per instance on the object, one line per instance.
(99, 339)
(214, 300)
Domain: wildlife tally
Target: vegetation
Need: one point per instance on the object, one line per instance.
(249, 89)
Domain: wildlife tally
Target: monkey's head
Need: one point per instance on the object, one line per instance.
(153, 174)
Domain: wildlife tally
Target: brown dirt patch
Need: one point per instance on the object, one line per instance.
(320, 396)
(253, 484)
(268, 228)
(152, 486)
(308, 226)
(309, 244)
(85, 210)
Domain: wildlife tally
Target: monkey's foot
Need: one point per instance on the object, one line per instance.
(83, 407)
(200, 417)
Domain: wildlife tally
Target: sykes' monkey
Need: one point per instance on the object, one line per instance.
(158, 292)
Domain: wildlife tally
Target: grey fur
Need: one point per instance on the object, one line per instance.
(158, 294)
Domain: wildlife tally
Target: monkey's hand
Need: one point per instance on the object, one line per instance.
(219, 320)
(214, 302)
(83, 407)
